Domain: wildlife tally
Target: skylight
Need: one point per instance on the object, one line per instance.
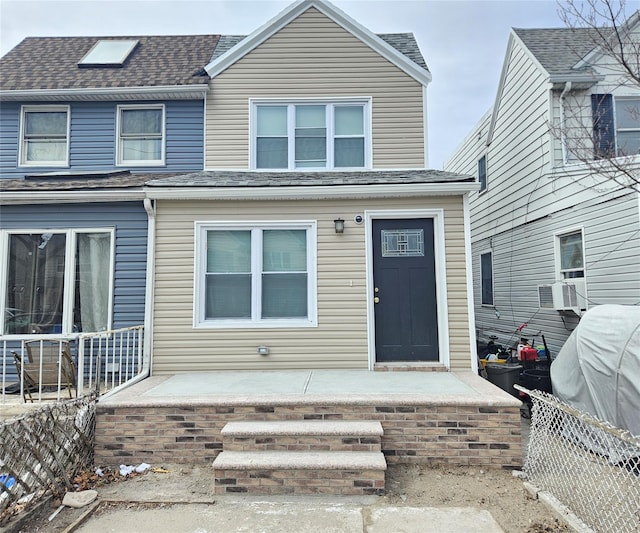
(108, 52)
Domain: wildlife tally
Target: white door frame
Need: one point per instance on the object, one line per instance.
(441, 275)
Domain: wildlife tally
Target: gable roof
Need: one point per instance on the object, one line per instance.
(50, 65)
(559, 50)
(401, 51)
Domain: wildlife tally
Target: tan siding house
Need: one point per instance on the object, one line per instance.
(316, 238)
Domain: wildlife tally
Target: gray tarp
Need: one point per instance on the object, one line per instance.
(598, 368)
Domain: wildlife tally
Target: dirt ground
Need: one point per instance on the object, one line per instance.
(494, 490)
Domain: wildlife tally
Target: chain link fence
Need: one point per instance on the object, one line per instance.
(587, 465)
(41, 451)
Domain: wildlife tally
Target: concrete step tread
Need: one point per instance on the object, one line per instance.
(231, 460)
(346, 428)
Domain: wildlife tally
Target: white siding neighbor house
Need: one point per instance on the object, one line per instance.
(555, 226)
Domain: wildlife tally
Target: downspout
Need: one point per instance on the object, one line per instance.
(563, 118)
(150, 208)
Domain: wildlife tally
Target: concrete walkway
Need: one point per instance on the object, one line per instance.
(307, 515)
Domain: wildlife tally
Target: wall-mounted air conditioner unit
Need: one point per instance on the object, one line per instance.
(563, 296)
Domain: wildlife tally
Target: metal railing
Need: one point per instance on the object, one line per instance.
(589, 466)
(100, 362)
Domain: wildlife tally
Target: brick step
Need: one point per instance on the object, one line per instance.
(286, 472)
(303, 435)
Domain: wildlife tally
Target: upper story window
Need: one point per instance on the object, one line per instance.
(482, 173)
(44, 136)
(57, 282)
(314, 135)
(140, 135)
(486, 275)
(627, 126)
(616, 125)
(256, 275)
(570, 253)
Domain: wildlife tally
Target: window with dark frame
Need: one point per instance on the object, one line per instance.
(486, 275)
(482, 172)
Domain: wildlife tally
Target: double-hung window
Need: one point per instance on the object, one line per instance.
(58, 281)
(256, 275)
(570, 251)
(627, 126)
(311, 135)
(44, 136)
(140, 139)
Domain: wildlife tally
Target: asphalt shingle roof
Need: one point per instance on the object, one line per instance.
(559, 49)
(73, 182)
(405, 43)
(52, 63)
(225, 178)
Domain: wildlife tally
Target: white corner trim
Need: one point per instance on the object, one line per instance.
(473, 350)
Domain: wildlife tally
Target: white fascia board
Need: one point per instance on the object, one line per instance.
(252, 41)
(69, 197)
(409, 190)
(184, 92)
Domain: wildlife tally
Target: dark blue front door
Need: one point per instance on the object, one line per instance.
(406, 321)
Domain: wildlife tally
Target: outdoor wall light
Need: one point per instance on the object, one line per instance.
(263, 350)
(339, 224)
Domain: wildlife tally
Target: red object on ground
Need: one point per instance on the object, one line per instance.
(528, 354)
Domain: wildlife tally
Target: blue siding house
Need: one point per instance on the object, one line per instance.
(84, 123)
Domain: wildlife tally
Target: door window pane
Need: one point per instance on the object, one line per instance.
(35, 291)
(91, 306)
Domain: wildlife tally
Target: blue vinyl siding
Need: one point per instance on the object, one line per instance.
(93, 138)
(130, 222)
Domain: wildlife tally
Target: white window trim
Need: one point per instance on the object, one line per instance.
(22, 153)
(199, 297)
(329, 102)
(120, 162)
(69, 276)
(493, 286)
(557, 255)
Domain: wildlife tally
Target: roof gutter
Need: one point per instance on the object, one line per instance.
(184, 92)
(69, 197)
(311, 192)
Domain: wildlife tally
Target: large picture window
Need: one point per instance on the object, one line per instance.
(252, 275)
(310, 135)
(58, 282)
(141, 135)
(44, 136)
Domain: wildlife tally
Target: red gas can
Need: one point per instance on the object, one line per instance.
(528, 354)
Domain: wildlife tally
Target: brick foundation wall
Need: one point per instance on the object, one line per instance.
(433, 434)
(301, 481)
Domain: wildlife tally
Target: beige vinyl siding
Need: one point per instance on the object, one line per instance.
(313, 57)
(340, 340)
